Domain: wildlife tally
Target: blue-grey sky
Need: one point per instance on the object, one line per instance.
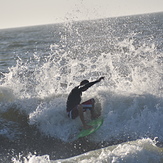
(16, 13)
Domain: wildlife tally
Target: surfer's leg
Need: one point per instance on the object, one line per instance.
(73, 113)
(94, 115)
(89, 105)
(80, 109)
(81, 115)
(92, 110)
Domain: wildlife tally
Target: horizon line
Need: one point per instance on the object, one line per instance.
(62, 22)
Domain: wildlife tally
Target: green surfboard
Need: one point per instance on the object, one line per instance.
(95, 126)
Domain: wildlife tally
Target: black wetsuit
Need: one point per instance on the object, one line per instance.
(74, 97)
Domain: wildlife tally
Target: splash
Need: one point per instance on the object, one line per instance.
(130, 96)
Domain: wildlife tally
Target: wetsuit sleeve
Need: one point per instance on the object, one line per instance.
(86, 86)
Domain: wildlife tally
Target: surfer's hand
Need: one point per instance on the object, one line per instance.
(102, 78)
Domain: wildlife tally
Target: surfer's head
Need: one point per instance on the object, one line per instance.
(84, 82)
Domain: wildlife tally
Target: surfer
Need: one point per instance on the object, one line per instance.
(74, 108)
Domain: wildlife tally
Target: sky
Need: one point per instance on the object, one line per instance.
(18, 13)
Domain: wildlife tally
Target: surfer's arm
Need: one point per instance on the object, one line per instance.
(86, 86)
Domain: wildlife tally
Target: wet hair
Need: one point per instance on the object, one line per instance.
(84, 82)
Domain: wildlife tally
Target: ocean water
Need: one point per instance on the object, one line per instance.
(40, 65)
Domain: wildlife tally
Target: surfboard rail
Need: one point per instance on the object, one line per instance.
(96, 124)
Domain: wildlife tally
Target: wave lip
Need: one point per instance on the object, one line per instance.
(141, 150)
